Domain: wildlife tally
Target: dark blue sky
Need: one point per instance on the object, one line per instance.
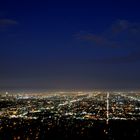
(66, 44)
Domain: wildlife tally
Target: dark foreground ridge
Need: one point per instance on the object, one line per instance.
(15, 129)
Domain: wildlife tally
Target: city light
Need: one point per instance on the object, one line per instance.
(71, 113)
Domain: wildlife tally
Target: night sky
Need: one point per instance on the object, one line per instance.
(70, 44)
